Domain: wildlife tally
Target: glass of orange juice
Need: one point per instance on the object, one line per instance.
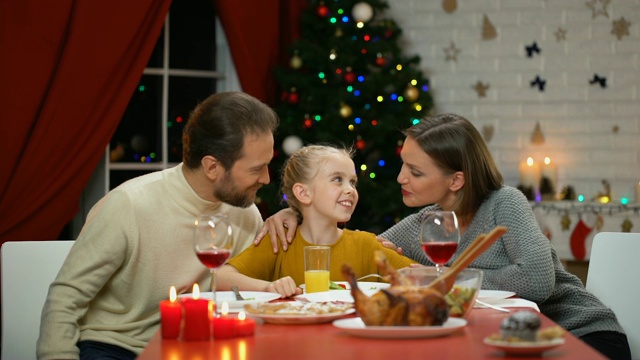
(316, 268)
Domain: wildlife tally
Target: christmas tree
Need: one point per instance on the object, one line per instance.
(348, 83)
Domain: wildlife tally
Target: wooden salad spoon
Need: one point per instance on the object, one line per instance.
(444, 283)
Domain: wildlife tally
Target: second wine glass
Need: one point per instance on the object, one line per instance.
(212, 243)
(439, 236)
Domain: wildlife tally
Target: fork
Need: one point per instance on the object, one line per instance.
(237, 293)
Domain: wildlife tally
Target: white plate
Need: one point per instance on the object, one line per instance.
(525, 347)
(368, 288)
(363, 285)
(356, 327)
(489, 295)
(301, 319)
(327, 296)
(253, 297)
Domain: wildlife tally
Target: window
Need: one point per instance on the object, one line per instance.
(187, 65)
(190, 61)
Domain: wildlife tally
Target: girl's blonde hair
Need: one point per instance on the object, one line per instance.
(303, 166)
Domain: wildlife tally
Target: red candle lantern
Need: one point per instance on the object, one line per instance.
(245, 326)
(170, 316)
(224, 326)
(197, 313)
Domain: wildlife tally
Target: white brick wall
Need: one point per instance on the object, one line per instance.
(577, 118)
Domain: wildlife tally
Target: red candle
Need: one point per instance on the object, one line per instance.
(170, 316)
(197, 313)
(224, 326)
(245, 326)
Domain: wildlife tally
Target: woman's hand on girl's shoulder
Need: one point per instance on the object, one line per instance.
(388, 244)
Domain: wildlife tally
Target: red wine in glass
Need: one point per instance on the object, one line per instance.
(439, 252)
(213, 259)
(212, 244)
(439, 236)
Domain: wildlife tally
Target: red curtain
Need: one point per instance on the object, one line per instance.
(258, 33)
(67, 69)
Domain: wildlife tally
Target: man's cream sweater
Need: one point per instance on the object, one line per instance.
(135, 245)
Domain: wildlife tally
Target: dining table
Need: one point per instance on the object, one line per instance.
(326, 341)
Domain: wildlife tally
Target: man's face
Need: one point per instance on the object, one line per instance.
(239, 185)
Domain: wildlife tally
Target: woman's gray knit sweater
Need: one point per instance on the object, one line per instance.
(522, 261)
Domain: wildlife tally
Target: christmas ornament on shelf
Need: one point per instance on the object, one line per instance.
(568, 193)
(355, 87)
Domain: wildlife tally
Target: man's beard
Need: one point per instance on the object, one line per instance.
(227, 193)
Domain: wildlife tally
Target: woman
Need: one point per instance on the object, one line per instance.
(448, 165)
(319, 183)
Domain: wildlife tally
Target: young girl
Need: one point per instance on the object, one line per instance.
(319, 183)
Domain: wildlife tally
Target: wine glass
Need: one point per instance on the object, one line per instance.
(439, 236)
(212, 243)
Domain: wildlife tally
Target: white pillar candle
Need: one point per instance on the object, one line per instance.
(550, 171)
(530, 174)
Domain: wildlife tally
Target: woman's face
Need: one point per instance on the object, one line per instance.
(421, 180)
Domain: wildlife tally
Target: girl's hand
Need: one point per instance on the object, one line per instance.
(388, 244)
(285, 286)
(275, 226)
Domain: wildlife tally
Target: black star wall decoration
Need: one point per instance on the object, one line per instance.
(540, 83)
(597, 79)
(531, 49)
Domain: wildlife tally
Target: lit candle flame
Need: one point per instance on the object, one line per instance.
(242, 316)
(172, 294)
(530, 161)
(225, 308)
(547, 160)
(196, 291)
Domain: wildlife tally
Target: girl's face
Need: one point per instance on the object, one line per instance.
(333, 190)
(422, 182)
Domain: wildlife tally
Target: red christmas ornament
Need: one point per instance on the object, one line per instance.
(360, 144)
(388, 33)
(381, 61)
(293, 98)
(284, 96)
(349, 77)
(398, 150)
(322, 11)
